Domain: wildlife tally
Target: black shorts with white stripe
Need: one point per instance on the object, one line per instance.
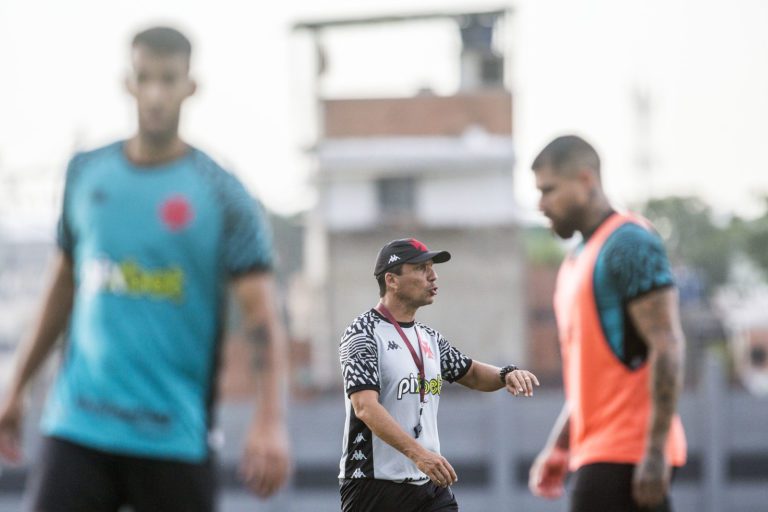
(371, 495)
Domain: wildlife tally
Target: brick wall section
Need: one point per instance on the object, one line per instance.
(543, 344)
(419, 116)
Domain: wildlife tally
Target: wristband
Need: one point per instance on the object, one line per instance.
(504, 371)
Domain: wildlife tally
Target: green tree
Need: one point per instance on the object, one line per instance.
(541, 248)
(692, 238)
(754, 239)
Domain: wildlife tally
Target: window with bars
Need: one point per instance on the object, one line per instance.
(397, 198)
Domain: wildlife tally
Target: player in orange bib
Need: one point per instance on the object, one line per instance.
(622, 345)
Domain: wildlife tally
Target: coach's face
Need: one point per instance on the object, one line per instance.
(160, 83)
(416, 284)
(564, 198)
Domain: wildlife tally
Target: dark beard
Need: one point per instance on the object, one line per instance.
(562, 231)
(567, 226)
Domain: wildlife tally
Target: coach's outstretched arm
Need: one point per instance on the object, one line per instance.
(266, 461)
(383, 425)
(657, 319)
(486, 377)
(32, 352)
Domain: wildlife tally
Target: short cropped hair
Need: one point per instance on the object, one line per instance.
(397, 270)
(164, 40)
(567, 153)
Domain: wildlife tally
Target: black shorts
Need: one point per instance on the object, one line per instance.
(69, 477)
(370, 495)
(607, 488)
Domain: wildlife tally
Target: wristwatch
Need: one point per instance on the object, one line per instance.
(504, 371)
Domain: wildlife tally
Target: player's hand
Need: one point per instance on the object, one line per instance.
(521, 382)
(11, 416)
(436, 467)
(266, 462)
(548, 472)
(650, 482)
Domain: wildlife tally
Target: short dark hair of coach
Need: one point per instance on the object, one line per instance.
(393, 369)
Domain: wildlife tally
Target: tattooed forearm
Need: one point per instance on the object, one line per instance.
(258, 337)
(656, 318)
(665, 388)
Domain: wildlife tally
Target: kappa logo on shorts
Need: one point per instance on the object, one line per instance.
(360, 438)
(392, 345)
(358, 455)
(358, 474)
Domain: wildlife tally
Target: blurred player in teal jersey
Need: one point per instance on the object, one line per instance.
(153, 235)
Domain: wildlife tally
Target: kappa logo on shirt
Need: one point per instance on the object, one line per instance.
(358, 455)
(360, 438)
(392, 345)
(358, 474)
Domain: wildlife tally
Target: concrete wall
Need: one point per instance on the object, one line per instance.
(491, 439)
(479, 307)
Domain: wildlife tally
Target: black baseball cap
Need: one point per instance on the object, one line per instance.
(406, 250)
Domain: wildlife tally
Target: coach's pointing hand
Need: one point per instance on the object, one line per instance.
(521, 382)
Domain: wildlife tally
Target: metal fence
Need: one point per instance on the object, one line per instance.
(491, 439)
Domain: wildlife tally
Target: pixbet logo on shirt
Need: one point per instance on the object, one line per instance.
(410, 385)
(129, 278)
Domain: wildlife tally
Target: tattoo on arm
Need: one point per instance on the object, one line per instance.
(664, 393)
(655, 316)
(258, 337)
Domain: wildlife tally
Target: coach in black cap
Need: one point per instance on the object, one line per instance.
(406, 250)
(394, 369)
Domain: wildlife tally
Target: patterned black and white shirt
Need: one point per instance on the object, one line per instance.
(374, 356)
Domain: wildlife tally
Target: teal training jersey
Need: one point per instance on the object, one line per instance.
(153, 249)
(631, 263)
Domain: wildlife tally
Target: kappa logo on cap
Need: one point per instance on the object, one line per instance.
(393, 259)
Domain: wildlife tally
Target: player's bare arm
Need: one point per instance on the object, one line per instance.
(383, 425)
(485, 377)
(656, 318)
(548, 472)
(34, 350)
(266, 461)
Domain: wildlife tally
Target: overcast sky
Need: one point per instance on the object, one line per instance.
(575, 66)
